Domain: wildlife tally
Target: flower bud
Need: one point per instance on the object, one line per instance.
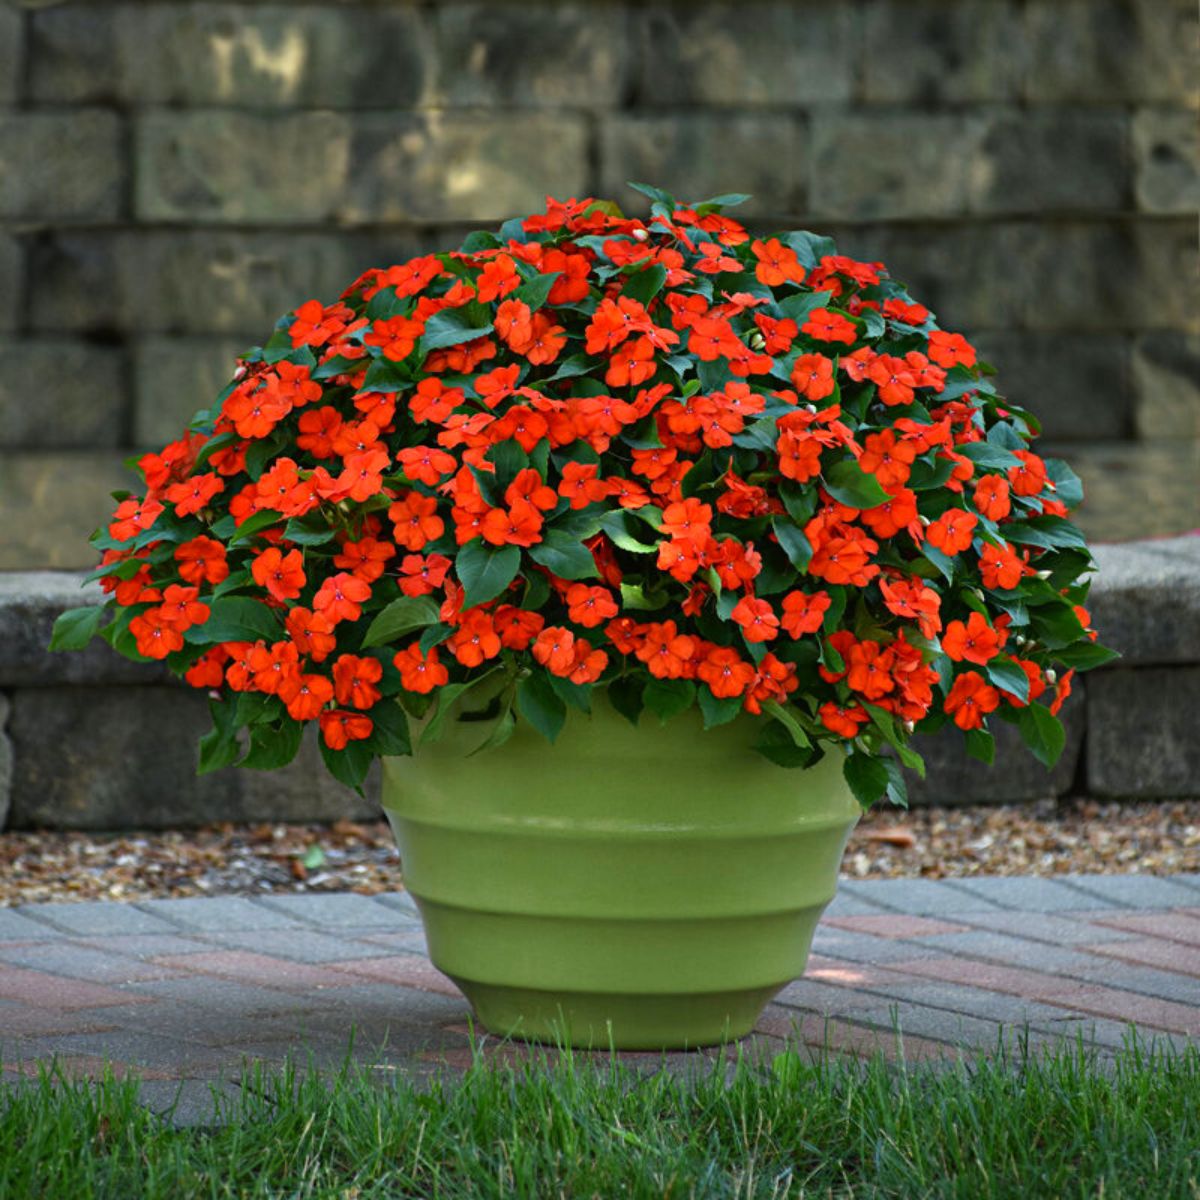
(240, 373)
(909, 726)
(1021, 639)
(924, 520)
(1043, 574)
(1051, 676)
(640, 235)
(757, 341)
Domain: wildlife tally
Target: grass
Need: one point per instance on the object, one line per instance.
(1015, 1124)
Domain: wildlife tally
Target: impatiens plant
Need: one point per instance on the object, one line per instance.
(662, 457)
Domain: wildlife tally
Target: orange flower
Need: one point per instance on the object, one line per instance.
(777, 263)
(812, 376)
(420, 673)
(915, 601)
(274, 667)
(427, 464)
(338, 728)
(181, 609)
(991, 497)
(367, 558)
(757, 619)
(631, 364)
(281, 574)
(590, 606)
(687, 520)
(976, 641)
(845, 560)
(950, 349)
(869, 668)
(202, 560)
(887, 459)
(1000, 567)
(475, 640)
(520, 525)
(896, 513)
(843, 719)
(312, 633)
(803, 613)
(554, 648)
(581, 484)
(155, 638)
(341, 597)
(546, 341)
(354, 680)
(666, 652)
(193, 494)
(133, 516)
(415, 521)
(1029, 479)
(421, 575)
(726, 672)
(517, 627)
(799, 455)
(952, 531)
(970, 700)
(305, 696)
(823, 325)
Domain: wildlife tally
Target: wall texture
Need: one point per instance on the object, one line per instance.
(174, 176)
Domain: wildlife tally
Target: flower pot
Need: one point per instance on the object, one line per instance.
(644, 887)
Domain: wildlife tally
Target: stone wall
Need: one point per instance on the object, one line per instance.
(174, 176)
(95, 742)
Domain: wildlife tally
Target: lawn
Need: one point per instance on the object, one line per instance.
(1014, 1124)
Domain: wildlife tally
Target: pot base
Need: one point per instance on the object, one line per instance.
(604, 1020)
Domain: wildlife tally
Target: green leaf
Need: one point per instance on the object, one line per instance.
(725, 200)
(810, 248)
(569, 368)
(1050, 532)
(76, 627)
(800, 305)
(717, 710)
(541, 705)
(799, 500)
(645, 284)
(667, 698)
(400, 617)
(485, 571)
(867, 776)
(534, 292)
(984, 454)
(656, 194)
(1055, 625)
(793, 542)
(383, 375)
(219, 746)
(452, 326)
(563, 555)
(626, 696)
(1043, 733)
(849, 484)
(776, 744)
(1085, 656)
(943, 562)
(897, 789)
(348, 766)
(621, 529)
(310, 530)
(504, 728)
(789, 722)
(273, 746)
(391, 734)
(1005, 674)
(981, 745)
(255, 524)
(235, 619)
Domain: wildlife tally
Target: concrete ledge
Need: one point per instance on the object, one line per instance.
(92, 741)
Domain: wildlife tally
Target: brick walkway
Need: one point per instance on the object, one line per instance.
(183, 991)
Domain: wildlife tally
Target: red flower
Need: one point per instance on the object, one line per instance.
(843, 719)
(757, 619)
(338, 728)
(952, 531)
(824, 325)
(726, 672)
(777, 263)
(420, 673)
(354, 680)
(970, 700)
(281, 574)
(341, 597)
(976, 641)
(305, 696)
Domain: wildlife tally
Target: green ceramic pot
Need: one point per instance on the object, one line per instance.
(644, 887)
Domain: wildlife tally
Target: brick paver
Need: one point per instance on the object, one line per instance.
(185, 991)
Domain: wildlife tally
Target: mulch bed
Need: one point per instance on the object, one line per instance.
(1073, 836)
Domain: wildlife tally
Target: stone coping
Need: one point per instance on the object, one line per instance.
(89, 740)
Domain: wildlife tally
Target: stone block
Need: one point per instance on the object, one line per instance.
(217, 914)
(1111, 275)
(1166, 385)
(125, 758)
(1134, 891)
(195, 281)
(52, 502)
(1142, 739)
(954, 779)
(11, 282)
(176, 377)
(889, 165)
(1145, 600)
(747, 54)
(1060, 161)
(5, 766)
(67, 166)
(30, 601)
(926, 52)
(1109, 51)
(334, 911)
(228, 167)
(12, 35)
(1134, 489)
(1076, 384)
(448, 165)
(96, 918)
(261, 56)
(962, 271)
(1166, 156)
(581, 59)
(62, 395)
(1025, 894)
(694, 156)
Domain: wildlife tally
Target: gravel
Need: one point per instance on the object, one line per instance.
(1077, 836)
